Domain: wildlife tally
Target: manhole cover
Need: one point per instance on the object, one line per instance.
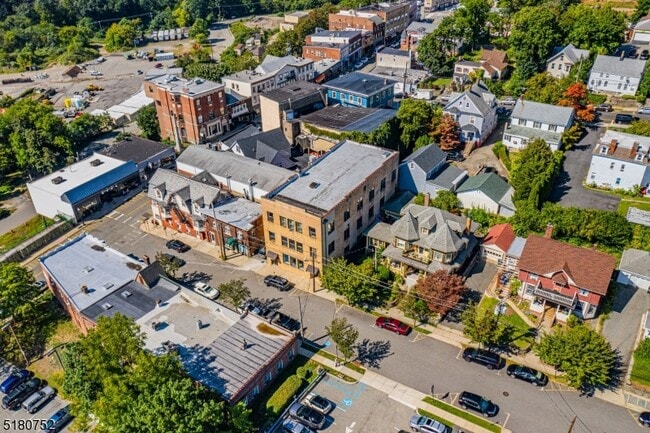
(506, 393)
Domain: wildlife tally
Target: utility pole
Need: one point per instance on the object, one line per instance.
(11, 328)
(313, 271)
(302, 326)
(221, 240)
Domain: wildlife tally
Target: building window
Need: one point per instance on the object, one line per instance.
(552, 128)
(346, 215)
(393, 175)
(292, 244)
(371, 212)
(299, 247)
(285, 258)
(298, 227)
(537, 125)
(271, 236)
(330, 227)
(618, 181)
(268, 377)
(360, 204)
(290, 224)
(283, 221)
(359, 223)
(269, 217)
(611, 166)
(280, 365)
(346, 234)
(521, 122)
(330, 248)
(312, 232)
(382, 185)
(622, 167)
(285, 241)
(371, 194)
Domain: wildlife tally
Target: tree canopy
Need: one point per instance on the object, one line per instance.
(441, 291)
(533, 173)
(359, 284)
(147, 121)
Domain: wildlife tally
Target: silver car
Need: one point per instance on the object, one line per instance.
(422, 424)
(644, 110)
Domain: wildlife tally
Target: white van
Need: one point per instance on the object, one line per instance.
(37, 400)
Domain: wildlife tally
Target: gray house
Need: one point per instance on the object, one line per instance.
(634, 269)
(426, 171)
(476, 112)
(530, 120)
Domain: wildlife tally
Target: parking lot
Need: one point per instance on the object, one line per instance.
(19, 420)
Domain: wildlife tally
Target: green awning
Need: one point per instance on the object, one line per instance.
(231, 242)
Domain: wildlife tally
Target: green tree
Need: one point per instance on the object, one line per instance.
(446, 200)
(86, 127)
(121, 35)
(199, 31)
(433, 54)
(642, 9)
(598, 29)
(585, 356)
(16, 290)
(480, 326)
(147, 121)
(415, 117)
(533, 172)
(415, 308)
(169, 265)
(441, 291)
(235, 291)
(344, 335)
(639, 127)
(544, 88)
(472, 17)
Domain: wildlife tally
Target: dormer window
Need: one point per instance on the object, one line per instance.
(639, 156)
(158, 194)
(603, 150)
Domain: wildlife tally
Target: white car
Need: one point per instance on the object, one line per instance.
(644, 110)
(205, 290)
(96, 73)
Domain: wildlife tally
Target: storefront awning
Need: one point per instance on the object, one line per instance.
(312, 270)
(271, 255)
(231, 242)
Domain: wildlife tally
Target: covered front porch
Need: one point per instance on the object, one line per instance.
(542, 300)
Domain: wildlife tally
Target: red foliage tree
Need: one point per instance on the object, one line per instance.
(448, 134)
(441, 291)
(576, 96)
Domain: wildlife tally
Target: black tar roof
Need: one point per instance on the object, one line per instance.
(136, 149)
(359, 83)
(349, 118)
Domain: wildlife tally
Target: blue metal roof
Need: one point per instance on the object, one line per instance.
(101, 182)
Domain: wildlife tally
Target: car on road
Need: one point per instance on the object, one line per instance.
(393, 325)
(623, 119)
(58, 420)
(175, 260)
(14, 380)
(158, 65)
(527, 374)
(280, 283)
(14, 399)
(424, 424)
(286, 322)
(308, 416)
(484, 357)
(644, 55)
(178, 246)
(644, 419)
(469, 400)
(604, 108)
(293, 426)
(96, 73)
(206, 290)
(644, 110)
(318, 403)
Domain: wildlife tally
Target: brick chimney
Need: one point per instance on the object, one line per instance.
(548, 233)
(612, 147)
(633, 150)
(427, 199)
(146, 259)
(468, 225)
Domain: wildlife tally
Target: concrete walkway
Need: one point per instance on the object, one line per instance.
(398, 392)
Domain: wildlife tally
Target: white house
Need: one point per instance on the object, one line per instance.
(476, 112)
(620, 75)
(620, 160)
(530, 120)
(634, 269)
(487, 191)
(426, 171)
(560, 63)
(641, 31)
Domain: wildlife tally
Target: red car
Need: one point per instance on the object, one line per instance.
(392, 325)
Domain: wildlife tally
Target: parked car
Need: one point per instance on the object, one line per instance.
(176, 260)
(484, 357)
(263, 309)
(158, 65)
(455, 156)
(364, 60)
(644, 419)
(623, 119)
(644, 110)
(318, 403)
(136, 258)
(206, 290)
(58, 420)
(280, 283)
(644, 55)
(286, 322)
(527, 374)
(468, 400)
(604, 108)
(508, 101)
(14, 380)
(423, 424)
(358, 65)
(293, 426)
(308, 416)
(178, 246)
(96, 73)
(14, 399)
(393, 325)
(39, 399)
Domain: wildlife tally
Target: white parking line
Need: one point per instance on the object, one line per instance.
(126, 220)
(117, 218)
(110, 215)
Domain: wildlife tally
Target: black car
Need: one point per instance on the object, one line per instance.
(644, 419)
(527, 374)
(625, 119)
(644, 55)
(455, 156)
(175, 260)
(19, 394)
(177, 246)
(286, 322)
(282, 284)
(491, 360)
(308, 416)
(468, 400)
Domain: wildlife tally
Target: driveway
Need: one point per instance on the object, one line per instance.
(24, 211)
(568, 189)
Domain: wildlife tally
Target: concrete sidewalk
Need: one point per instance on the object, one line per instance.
(398, 392)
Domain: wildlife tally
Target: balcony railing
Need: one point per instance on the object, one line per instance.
(558, 298)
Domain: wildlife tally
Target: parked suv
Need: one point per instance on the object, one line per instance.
(39, 399)
(423, 424)
(14, 399)
(177, 246)
(282, 284)
(491, 360)
(58, 420)
(308, 416)
(468, 400)
(623, 119)
(14, 380)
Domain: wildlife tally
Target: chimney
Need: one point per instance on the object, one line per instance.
(146, 259)
(548, 234)
(468, 225)
(612, 146)
(427, 199)
(634, 149)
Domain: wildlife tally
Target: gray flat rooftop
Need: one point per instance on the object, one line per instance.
(349, 118)
(293, 91)
(176, 85)
(341, 170)
(88, 261)
(237, 212)
(516, 247)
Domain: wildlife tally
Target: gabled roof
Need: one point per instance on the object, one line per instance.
(574, 54)
(406, 228)
(615, 65)
(495, 58)
(427, 157)
(589, 269)
(448, 177)
(501, 236)
(480, 97)
(489, 184)
(171, 184)
(643, 23)
(544, 113)
(270, 146)
(636, 262)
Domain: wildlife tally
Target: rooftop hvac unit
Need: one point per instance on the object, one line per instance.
(57, 180)
(96, 162)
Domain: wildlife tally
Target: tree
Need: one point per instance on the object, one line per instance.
(576, 96)
(147, 121)
(472, 17)
(441, 291)
(446, 200)
(597, 29)
(169, 265)
(585, 356)
(529, 167)
(344, 335)
(433, 54)
(199, 31)
(448, 134)
(121, 35)
(544, 88)
(414, 116)
(642, 9)
(415, 308)
(235, 291)
(481, 326)
(639, 127)
(16, 290)
(360, 285)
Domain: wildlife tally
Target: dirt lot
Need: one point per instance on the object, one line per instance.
(265, 22)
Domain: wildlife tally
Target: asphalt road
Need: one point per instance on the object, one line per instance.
(415, 360)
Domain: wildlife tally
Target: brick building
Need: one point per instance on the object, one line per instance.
(323, 213)
(192, 111)
(370, 25)
(344, 46)
(397, 17)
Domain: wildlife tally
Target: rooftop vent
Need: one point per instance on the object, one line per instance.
(107, 286)
(57, 180)
(84, 290)
(314, 185)
(126, 294)
(96, 162)
(198, 80)
(88, 269)
(106, 306)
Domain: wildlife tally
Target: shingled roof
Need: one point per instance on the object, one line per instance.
(500, 235)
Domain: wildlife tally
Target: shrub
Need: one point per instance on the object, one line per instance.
(283, 395)
(643, 351)
(304, 372)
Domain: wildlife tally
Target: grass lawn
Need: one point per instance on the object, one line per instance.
(522, 338)
(442, 81)
(351, 365)
(462, 414)
(21, 233)
(627, 203)
(641, 372)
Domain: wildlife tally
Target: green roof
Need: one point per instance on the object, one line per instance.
(488, 183)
